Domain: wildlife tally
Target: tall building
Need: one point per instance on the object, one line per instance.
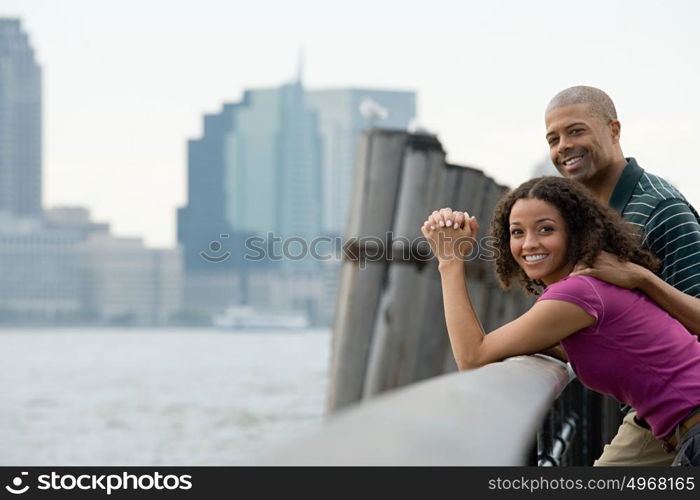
(57, 265)
(256, 170)
(280, 162)
(343, 114)
(20, 122)
(201, 223)
(273, 164)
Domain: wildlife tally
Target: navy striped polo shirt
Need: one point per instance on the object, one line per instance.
(670, 225)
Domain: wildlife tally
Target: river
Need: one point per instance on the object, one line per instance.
(157, 397)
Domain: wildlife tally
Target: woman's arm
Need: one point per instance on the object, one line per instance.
(685, 308)
(557, 352)
(544, 325)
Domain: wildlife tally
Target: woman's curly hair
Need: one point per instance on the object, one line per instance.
(591, 227)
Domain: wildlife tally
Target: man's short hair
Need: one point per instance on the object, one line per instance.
(598, 101)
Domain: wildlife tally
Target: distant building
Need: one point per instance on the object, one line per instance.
(63, 268)
(73, 219)
(256, 170)
(58, 266)
(20, 122)
(203, 220)
(40, 272)
(342, 115)
(273, 164)
(126, 283)
(280, 163)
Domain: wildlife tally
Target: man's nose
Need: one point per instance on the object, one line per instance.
(564, 145)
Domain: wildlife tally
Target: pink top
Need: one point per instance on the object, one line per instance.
(635, 351)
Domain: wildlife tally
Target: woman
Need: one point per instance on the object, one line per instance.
(618, 341)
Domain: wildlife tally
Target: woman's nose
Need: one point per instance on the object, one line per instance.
(530, 241)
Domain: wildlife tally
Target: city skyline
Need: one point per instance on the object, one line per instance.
(119, 110)
(256, 173)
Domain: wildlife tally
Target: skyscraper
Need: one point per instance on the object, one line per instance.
(255, 170)
(273, 164)
(203, 220)
(20, 122)
(279, 162)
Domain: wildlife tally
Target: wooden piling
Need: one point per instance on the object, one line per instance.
(398, 326)
(370, 218)
(389, 328)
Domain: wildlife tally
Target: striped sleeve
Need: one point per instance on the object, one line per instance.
(673, 234)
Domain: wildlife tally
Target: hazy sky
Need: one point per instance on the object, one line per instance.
(126, 82)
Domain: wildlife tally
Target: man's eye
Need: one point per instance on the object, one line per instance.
(552, 141)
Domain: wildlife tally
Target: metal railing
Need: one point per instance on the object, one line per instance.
(488, 416)
(576, 428)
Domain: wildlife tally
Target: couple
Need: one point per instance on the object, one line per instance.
(628, 336)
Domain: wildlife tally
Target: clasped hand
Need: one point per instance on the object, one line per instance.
(451, 234)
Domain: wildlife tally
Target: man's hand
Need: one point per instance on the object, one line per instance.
(608, 267)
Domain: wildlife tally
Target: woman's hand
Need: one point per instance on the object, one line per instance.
(451, 234)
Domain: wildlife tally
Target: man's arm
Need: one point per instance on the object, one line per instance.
(685, 308)
(673, 234)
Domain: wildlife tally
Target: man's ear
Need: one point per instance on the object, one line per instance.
(615, 127)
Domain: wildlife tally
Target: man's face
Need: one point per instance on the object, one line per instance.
(581, 145)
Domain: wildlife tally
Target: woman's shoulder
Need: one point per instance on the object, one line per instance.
(576, 282)
(577, 290)
(588, 285)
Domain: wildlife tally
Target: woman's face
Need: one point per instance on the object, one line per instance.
(539, 240)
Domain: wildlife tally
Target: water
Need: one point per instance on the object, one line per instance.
(156, 397)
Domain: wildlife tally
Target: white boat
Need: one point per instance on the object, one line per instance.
(246, 317)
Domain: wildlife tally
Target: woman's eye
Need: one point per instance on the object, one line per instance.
(546, 229)
(515, 232)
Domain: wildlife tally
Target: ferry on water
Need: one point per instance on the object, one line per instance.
(246, 317)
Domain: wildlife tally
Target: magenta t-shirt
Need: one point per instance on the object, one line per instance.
(635, 351)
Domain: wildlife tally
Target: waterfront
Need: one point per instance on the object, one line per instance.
(156, 397)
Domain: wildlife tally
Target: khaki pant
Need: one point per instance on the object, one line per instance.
(634, 446)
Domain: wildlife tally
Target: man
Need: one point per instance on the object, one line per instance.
(583, 133)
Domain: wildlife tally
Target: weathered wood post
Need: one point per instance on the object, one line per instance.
(389, 328)
(363, 270)
(394, 355)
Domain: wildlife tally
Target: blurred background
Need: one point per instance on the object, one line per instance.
(166, 168)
